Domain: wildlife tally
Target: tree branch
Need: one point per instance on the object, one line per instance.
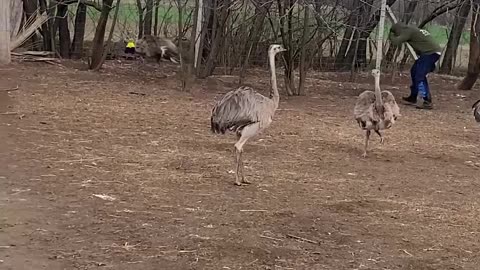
(87, 3)
(439, 11)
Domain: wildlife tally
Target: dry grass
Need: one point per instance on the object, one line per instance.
(314, 202)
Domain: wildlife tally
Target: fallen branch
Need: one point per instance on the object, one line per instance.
(137, 93)
(271, 238)
(41, 59)
(302, 239)
(10, 89)
(253, 210)
(9, 113)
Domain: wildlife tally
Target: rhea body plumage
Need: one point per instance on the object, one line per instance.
(158, 47)
(247, 113)
(476, 110)
(375, 110)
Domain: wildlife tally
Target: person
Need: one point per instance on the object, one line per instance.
(428, 51)
(130, 48)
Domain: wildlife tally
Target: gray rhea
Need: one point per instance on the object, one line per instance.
(375, 111)
(158, 47)
(247, 113)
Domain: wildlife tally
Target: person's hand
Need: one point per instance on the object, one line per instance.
(391, 34)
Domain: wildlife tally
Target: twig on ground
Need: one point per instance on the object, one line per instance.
(9, 113)
(137, 93)
(253, 210)
(271, 238)
(406, 252)
(302, 239)
(10, 89)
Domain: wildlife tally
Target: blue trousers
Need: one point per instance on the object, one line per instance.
(422, 66)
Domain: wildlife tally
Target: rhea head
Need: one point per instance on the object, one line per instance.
(276, 48)
(376, 73)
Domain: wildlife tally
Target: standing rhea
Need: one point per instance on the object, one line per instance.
(476, 110)
(247, 113)
(375, 110)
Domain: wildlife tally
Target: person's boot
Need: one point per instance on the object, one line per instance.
(426, 105)
(409, 100)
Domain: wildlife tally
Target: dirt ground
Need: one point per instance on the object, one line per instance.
(95, 177)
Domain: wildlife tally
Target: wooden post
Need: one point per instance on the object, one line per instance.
(381, 29)
(5, 32)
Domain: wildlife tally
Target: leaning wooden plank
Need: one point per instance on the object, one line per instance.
(33, 53)
(28, 31)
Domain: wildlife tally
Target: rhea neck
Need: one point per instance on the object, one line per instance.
(275, 95)
(378, 91)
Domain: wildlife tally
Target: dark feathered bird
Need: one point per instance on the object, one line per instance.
(246, 112)
(476, 112)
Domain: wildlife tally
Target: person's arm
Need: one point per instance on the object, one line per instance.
(398, 40)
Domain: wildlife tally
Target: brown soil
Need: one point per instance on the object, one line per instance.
(314, 202)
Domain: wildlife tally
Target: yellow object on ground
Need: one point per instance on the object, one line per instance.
(131, 44)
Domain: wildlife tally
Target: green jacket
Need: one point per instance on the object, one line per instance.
(420, 39)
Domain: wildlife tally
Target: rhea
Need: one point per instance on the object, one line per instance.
(247, 113)
(375, 111)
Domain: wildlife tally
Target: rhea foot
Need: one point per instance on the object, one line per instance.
(242, 183)
(245, 181)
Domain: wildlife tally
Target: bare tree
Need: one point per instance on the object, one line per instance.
(183, 68)
(455, 35)
(256, 30)
(147, 23)
(98, 47)
(79, 30)
(303, 50)
(140, 10)
(61, 23)
(474, 58)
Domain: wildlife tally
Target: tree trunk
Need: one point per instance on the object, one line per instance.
(287, 39)
(474, 57)
(63, 31)
(30, 8)
(455, 35)
(183, 69)
(147, 25)
(140, 18)
(303, 51)
(79, 31)
(108, 48)
(216, 35)
(46, 33)
(97, 46)
(261, 11)
(155, 19)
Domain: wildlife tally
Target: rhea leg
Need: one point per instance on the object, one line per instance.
(380, 135)
(367, 137)
(246, 133)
